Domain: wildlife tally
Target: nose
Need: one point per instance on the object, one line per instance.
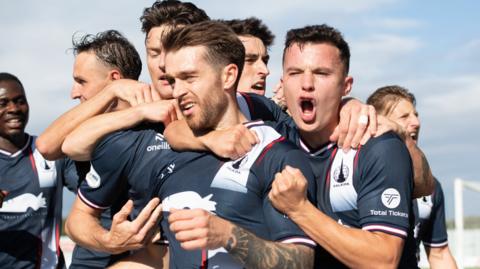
(13, 106)
(75, 92)
(415, 121)
(161, 62)
(307, 81)
(262, 68)
(178, 90)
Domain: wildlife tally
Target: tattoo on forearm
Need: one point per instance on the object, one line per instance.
(254, 252)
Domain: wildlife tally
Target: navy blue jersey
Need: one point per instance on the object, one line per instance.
(126, 162)
(369, 188)
(430, 227)
(31, 215)
(237, 191)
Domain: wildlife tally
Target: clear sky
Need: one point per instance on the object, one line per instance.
(430, 47)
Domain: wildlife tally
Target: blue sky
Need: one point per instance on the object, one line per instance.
(430, 47)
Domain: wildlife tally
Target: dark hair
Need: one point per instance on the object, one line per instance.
(385, 98)
(319, 34)
(171, 12)
(4, 76)
(254, 27)
(222, 45)
(113, 49)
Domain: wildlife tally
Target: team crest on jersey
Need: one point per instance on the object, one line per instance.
(160, 143)
(391, 198)
(237, 164)
(93, 178)
(341, 173)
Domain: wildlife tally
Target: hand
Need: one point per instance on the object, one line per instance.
(289, 191)
(159, 111)
(129, 235)
(358, 122)
(134, 92)
(278, 96)
(199, 229)
(235, 142)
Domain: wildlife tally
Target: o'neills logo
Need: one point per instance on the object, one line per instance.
(161, 143)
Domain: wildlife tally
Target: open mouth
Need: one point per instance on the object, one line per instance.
(259, 86)
(307, 108)
(187, 108)
(414, 136)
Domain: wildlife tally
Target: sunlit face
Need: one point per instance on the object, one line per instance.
(314, 82)
(90, 76)
(405, 114)
(198, 88)
(255, 70)
(156, 60)
(13, 109)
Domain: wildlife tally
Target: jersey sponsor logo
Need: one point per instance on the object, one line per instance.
(161, 143)
(93, 178)
(170, 169)
(188, 200)
(391, 198)
(21, 203)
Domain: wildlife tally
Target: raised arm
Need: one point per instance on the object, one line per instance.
(132, 92)
(80, 143)
(49, 143)
(198, 229)
(84, 228)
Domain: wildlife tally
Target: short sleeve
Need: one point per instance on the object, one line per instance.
(435, 233)
(385, 186)
(110, 163)
(282, 228)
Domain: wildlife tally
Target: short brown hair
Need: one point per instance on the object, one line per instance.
(172, 13)
(385, 98)
(317, 34)
(252, 27)
(222, 45)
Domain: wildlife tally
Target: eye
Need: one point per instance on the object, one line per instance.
(3, 102)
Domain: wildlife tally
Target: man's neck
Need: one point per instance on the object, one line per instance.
(232, 115)
(316, 139)
(13, 144)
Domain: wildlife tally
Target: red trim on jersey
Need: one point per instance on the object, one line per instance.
(32, 160)
(57, 240)
(249, 102)
(332, 156)
(204, 263)
(267, 148)
(355, 160)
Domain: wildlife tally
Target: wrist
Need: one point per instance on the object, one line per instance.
(301, 210)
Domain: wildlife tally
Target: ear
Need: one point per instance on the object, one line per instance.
(114, 74)
(347, 88)
(229, 76)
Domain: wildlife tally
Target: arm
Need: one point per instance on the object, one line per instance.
(84, 228)
(49, 143)
(347, 244)
(235, 141)
(422, 175)
(81, 142)
(440, 258)
(197, 229)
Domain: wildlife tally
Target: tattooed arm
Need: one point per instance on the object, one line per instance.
(198, 229)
